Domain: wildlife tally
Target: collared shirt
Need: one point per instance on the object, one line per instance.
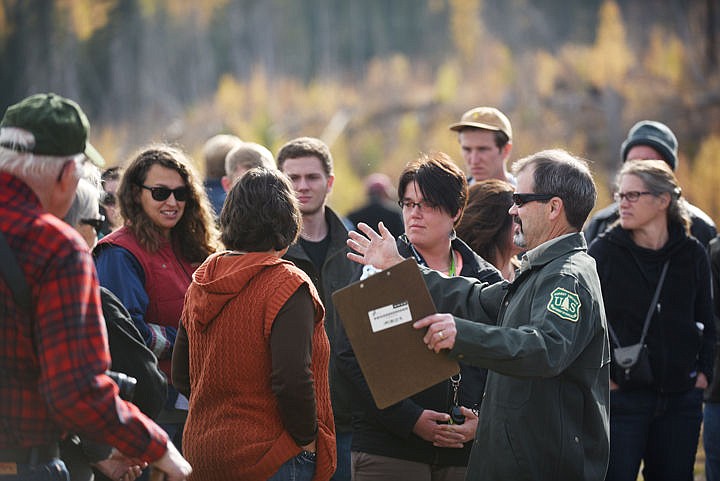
(53, 359)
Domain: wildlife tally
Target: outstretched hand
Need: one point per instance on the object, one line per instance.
(373, 248)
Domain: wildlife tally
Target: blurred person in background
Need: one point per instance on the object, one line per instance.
(488, 228)
(322, 253)
(657, 421)
(651, 140)
(414, 440)
(485, 137)
(252, 353)
(110, 179)
(380, 206)
(148, 263)
(243, 157)
(214, 152)
(55, 357)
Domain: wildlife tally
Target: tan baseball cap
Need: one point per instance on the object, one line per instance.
(488, 118)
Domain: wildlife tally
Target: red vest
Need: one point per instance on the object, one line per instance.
(167, 277)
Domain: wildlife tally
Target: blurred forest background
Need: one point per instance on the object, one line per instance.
(378, 80)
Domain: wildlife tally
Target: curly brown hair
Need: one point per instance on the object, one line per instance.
(195, 235)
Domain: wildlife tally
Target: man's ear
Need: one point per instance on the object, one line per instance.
(330, 182)
(226, 184)
(507, 148)
(556, 206)
(67, 179)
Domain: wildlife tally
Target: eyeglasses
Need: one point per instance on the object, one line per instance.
(423, 205)
(631, 196)
(94, 223)
(521, 199)
(162, 193)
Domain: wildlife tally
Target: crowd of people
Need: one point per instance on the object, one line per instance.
(158, 322)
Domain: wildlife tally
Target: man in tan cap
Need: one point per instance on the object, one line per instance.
(485, 137)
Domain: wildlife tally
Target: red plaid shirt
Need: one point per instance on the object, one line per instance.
(52, 362)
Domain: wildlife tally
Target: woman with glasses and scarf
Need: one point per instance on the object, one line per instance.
(417, 439)
(655, 419)
(148, 263)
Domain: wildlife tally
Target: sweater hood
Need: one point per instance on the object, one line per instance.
(221, 278)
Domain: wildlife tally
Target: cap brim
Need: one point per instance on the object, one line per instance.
(461, 125)
(94, 156)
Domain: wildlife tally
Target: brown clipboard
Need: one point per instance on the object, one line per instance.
(395, 361)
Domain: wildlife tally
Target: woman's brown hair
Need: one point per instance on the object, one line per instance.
(195, 235)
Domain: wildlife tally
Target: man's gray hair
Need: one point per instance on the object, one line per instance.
(27, 164)
(85, 205)
(560, 173)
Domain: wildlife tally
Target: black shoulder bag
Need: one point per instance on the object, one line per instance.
(631, 364)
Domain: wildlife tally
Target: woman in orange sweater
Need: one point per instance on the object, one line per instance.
(252, 351)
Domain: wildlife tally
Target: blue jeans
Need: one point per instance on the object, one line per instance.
(343, 442)
(662, 430)
(299, 468)
(711, 441)
(54, 470)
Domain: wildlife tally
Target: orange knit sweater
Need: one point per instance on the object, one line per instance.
(233, 430)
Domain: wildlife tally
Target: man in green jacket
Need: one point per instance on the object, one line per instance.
(543, 337)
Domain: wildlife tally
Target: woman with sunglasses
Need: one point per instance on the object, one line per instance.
(428, 436)
(148, 263)
(655, 419)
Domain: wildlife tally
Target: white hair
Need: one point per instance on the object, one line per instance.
(15, 158)
(86, 204)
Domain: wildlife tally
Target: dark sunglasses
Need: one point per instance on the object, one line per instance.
(521, 199)
(94, 223)
(162, 193)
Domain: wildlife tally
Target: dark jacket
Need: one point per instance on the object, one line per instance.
(545, 414)
(713, 392)
(337, 272)
(681, 336)
(702, 227)
(131, 356)
(388, 432)
(376, 211)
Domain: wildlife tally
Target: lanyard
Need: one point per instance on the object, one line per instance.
(420, 260)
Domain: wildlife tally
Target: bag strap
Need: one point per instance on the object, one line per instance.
(13, 275)
(651, 309)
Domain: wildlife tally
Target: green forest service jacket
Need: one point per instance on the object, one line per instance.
(544, 339)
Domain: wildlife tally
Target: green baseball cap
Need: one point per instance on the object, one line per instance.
(58, 125)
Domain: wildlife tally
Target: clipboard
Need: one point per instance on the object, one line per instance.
(378, 314)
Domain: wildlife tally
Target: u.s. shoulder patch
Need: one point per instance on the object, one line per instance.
(565, 304)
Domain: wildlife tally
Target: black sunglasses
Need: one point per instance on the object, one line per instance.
(162, 193)
(94, 223)
(521, 199)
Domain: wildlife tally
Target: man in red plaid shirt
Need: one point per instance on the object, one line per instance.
(54, 356)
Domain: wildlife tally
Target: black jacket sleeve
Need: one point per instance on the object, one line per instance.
(130, 356)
